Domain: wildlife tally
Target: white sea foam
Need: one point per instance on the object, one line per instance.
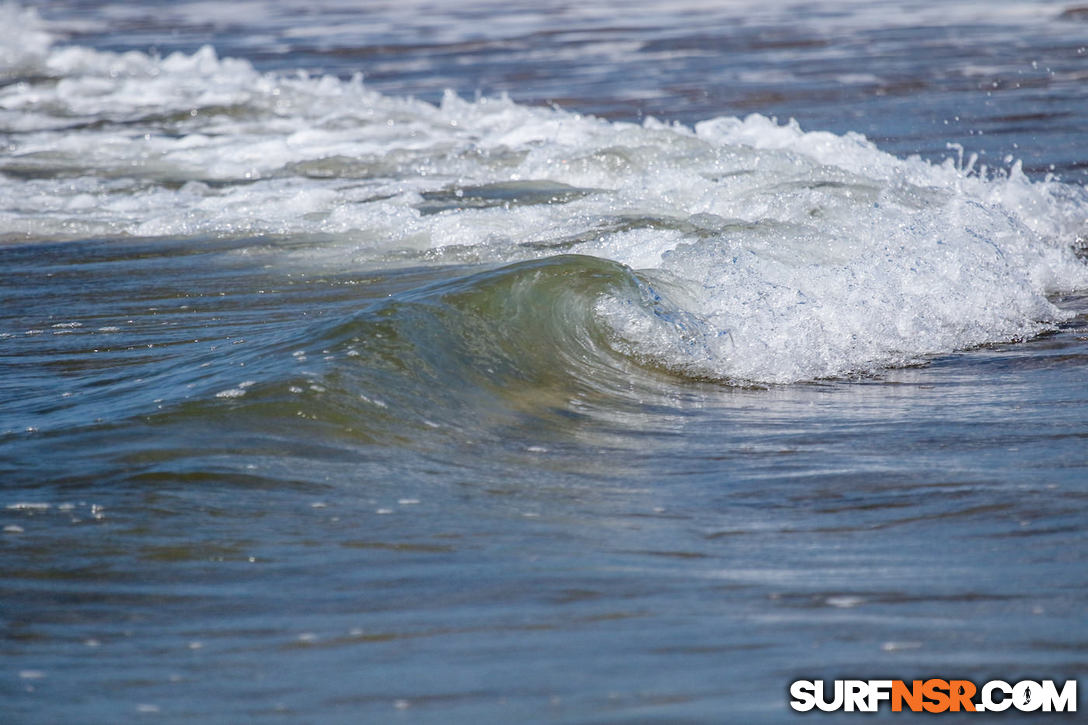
(24, 42)
(777, 254)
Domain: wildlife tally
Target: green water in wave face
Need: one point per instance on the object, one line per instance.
(415, 358)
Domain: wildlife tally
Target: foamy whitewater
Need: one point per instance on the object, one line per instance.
(773, 254)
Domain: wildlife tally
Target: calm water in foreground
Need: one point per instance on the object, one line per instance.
(574, 394)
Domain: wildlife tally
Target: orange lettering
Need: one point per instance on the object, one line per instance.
(935, 691)
(912, 695)
(961, 692)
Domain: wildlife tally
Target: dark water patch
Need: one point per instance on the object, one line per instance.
(1077, 13)
(503, 194)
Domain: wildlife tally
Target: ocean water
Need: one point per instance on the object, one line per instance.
(537, 362)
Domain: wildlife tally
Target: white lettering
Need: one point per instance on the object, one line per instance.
(1065, 701)
(988, 702)
(878, 690)
(855, 695)
(1027, 696)
(803, 693)
(821, 701)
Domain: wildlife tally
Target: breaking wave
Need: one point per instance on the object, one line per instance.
(737, 250)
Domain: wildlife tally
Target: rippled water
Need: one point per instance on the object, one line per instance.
(339, 385)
